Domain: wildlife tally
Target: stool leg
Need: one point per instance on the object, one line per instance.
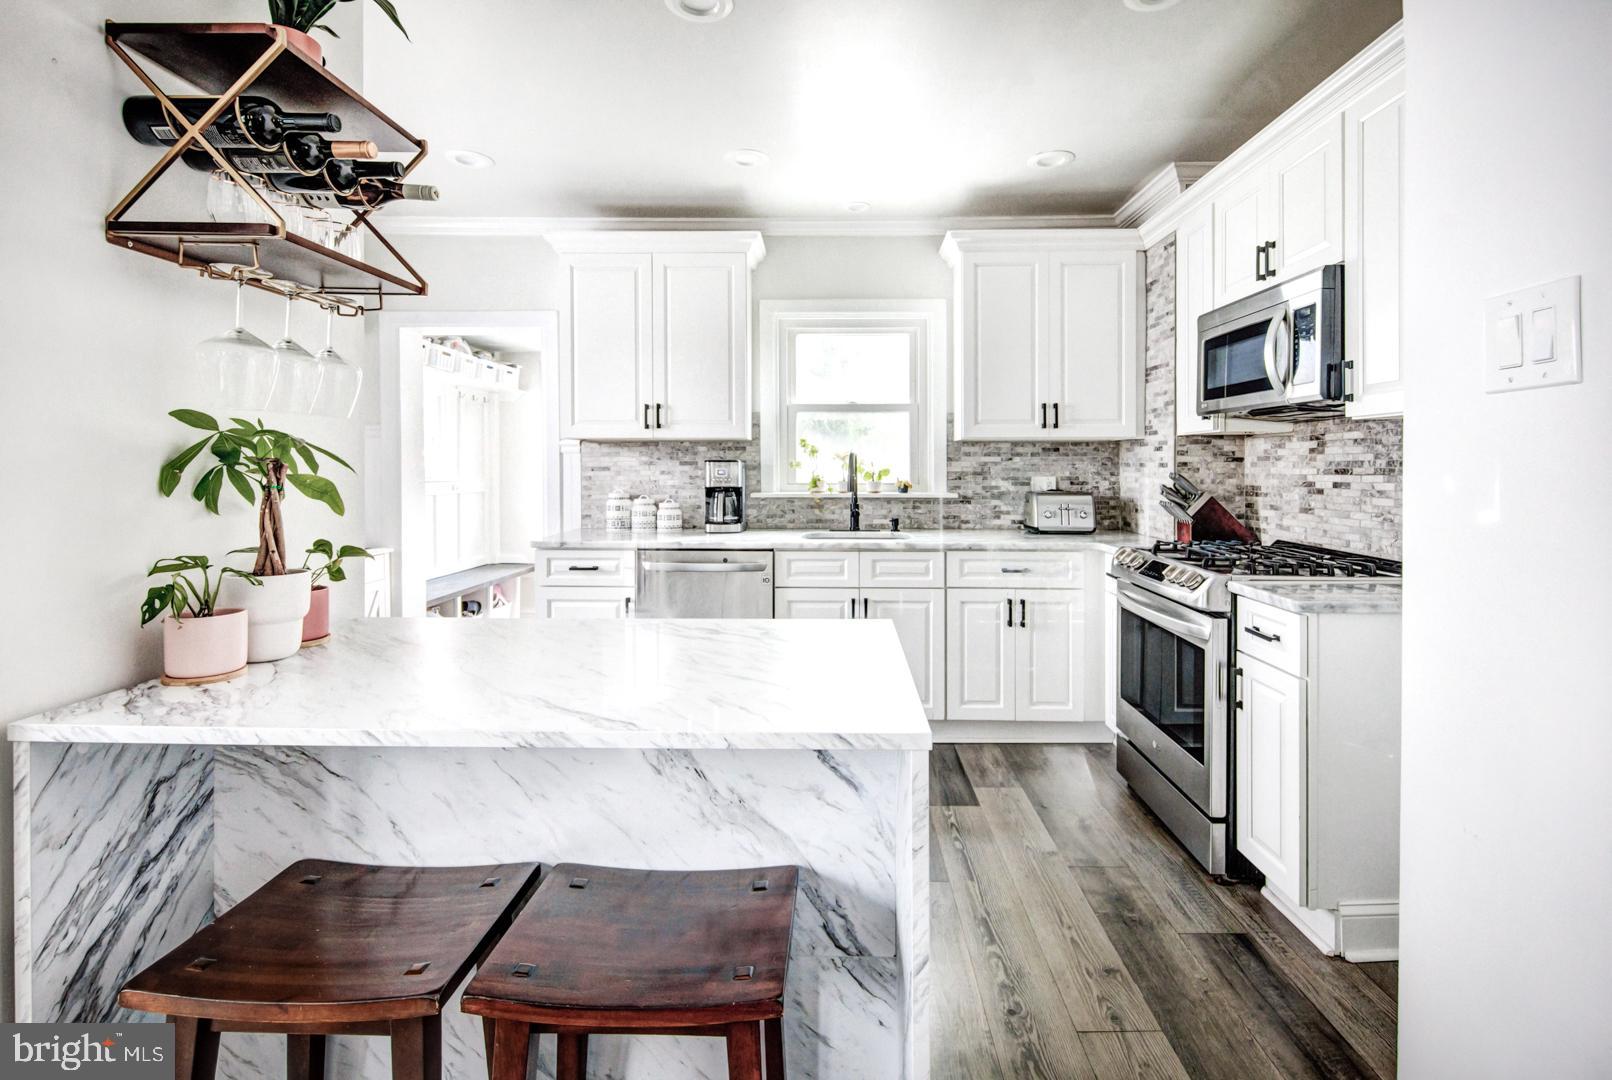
(512, 1042)
(305, 1057)
(195, 1048)
(744, 1051)
(772, 1033)
(487, 1041)
(571, 1057)
(417, 1048)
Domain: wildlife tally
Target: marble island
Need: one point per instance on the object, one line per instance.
(142, 813)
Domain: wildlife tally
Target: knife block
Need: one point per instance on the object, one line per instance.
(1212, 521)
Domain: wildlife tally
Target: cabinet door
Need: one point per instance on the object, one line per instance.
(1270, 773)
(1306, 191)
(980, 683)
(607, 376)
(814, 603)
(584, 603)
(1002, 374)
(1194, 296)
(919, 616)
(1241, 219)
(701, 346)
(1374, 171)
(1050, 653)
(1095, 377)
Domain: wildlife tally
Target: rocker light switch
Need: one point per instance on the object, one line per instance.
(1542, 335)
(1532, 338)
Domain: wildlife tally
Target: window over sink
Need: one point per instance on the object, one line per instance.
(864, 377)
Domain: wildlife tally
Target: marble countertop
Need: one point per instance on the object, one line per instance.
(1309, 596)
(795, 539)
(615, 684)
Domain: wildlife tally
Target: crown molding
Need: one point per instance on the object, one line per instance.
(1157, 191)
(747, 242)
(434, 225)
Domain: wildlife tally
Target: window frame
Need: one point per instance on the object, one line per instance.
(784, 321)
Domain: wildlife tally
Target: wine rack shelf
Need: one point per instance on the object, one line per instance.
(226, 60)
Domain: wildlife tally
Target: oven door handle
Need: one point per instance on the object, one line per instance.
(1155, 611)
(1278, 374)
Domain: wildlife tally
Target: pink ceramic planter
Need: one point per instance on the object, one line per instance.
(316, 624)
(195, 648)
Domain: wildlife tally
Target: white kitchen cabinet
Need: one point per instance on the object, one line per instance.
(1242, 225)
(1048, 331)
(655, 334)
(1374, 172)
(815, 603)
(1015, 654)
(919, 616)
(1270, 766)
(583, 602)
(981, 679)
(1050, 654)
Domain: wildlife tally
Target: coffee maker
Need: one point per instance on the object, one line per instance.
(724, 496)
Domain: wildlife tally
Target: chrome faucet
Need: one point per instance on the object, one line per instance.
(856, 502)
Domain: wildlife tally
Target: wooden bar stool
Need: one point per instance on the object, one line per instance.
(332, 948)
(603, 951)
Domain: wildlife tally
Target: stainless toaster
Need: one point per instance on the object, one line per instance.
(1059, 512)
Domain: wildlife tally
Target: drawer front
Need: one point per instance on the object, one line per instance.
(1006, 570)
(1271, 634)
(903, 569)
(585, 568)
(818, 569)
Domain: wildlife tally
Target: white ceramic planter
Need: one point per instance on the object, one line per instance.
(274, 612)
(195, 648)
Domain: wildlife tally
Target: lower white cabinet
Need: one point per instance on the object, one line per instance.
(584, 603)
(814, 603)
(918, 615)
(1015, 654)
(1270, 773)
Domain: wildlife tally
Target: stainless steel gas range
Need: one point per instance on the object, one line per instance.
(1176, 659)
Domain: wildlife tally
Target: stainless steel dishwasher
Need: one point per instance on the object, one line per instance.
(704, 585)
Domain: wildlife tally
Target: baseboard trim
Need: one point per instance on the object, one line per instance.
(1020, 731)
(1360, 931)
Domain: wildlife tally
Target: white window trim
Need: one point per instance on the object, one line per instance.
(781, 317)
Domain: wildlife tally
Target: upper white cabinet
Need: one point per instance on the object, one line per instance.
(655, 334)
(1374, 169)
(1048, 332)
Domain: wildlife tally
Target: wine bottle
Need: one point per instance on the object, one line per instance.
(250, 123)
(304, 154)
(372, 195)
(339, 175)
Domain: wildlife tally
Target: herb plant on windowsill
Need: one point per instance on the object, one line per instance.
(200, 639)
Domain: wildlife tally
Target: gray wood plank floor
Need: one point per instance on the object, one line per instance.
(1074, 939)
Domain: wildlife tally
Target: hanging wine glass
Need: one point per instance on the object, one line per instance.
(239, 365)
(339, 379)
(296, 378)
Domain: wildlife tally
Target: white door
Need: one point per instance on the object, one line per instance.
(1194, 296)
(584, 603)
(1240, 228)
(1270, 773)
(1374, 172)
(1095, 378)
(1050, 651)
(814, 603)
(1306, 188)
(980, 682)
(701, 346)
(1002, 375)
(919, 616)
(607, 376)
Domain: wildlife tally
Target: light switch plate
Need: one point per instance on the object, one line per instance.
(1539, 323)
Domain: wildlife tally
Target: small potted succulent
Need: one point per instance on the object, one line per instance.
(875, 478)
(260, 464)
(904, 486)
(301, 17)
(316, 624)
(201, 641)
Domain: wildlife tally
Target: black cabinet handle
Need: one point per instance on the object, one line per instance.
(1259, 262)
(1043, 414)
(864, 607)
(582, 567)
(1021, 614)
(1254, 631)
(1270, 249)
(646, 416)
(657, 414)
(1010, 613)
(1054, 414)
(629, 607)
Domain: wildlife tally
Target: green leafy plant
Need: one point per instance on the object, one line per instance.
(258, 462)
(332, 556)
(183, 593)
(874, 476)
(305, 15)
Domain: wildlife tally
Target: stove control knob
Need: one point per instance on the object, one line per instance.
(1194, 579)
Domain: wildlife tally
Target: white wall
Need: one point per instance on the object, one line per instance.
(97, 344)
(1506, 962)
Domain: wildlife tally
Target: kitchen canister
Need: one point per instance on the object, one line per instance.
(669, 516)
(643, 514)
(618, 511)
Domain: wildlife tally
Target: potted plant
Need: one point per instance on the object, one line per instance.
(875, 478)
(301, 17)
(259, 463)
(904, 486)
(316, 624)
(200, 639)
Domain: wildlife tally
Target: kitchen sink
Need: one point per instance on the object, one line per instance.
(859, 534)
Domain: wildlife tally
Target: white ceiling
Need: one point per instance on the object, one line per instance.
(918, 107)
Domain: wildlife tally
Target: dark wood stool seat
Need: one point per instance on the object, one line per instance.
(329, 948)
(606, 951)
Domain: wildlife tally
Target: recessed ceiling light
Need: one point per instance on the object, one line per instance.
(470, 159)
(745, 158)
(858, 207)
(1150, 5)
(701, 10)
(1051, 159)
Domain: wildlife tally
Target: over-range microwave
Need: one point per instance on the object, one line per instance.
(1278, 354)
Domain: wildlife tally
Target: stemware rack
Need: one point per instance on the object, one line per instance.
(226, 60)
